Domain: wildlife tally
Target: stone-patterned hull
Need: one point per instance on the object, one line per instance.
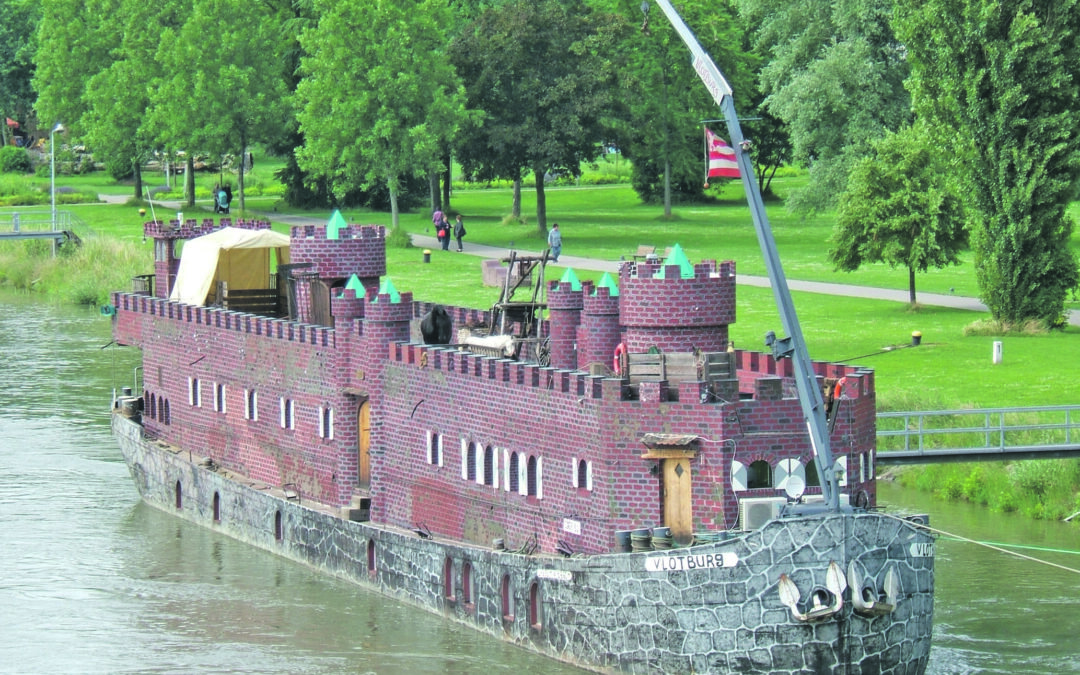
(713, 608)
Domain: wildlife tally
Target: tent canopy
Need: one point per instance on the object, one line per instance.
(239, 257)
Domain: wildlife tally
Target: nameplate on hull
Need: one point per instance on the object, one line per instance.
(685, 563)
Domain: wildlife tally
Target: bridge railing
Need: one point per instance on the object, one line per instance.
(985, 430)
(34, 221)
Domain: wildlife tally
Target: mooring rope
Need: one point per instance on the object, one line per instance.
(994, 546)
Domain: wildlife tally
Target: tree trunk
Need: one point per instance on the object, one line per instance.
(911, 284)
(433, 191)
(515, 207)
(392, 185)
(240, 169)
(189, 180)
(541, 202)
(667, 187)
(135, 164)
(447, 189)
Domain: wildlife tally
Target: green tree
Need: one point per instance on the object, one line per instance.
(117, 97)
(75, 39)
(378, 99)
(1000, 75)
(899, 209)
(834, 75)
(18, 22)
(224, 89)
(539, 71)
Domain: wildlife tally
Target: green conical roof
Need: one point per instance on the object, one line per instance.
(334, 226)
(677, 257)
(387, 288)
(607, 281)
(569, 277)
(353, 284)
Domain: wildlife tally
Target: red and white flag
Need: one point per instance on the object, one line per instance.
(722, 162)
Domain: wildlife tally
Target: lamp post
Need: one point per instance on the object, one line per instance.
(52, 169)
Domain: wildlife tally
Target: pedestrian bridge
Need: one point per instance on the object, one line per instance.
(980, 435)
(37, 225)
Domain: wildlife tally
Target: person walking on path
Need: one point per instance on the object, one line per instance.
(459, 231)
(555, 242)
(443, 230)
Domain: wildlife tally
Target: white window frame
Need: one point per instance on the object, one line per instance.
(506, 470)
(251, 405)
(464, 459)
(326, 423)
(194, 392)
(219, 397)
(287, 416)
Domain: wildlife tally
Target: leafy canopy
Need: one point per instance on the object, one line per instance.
(899, 209)
(1002, 75)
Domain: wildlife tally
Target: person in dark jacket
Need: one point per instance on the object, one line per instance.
(459, 231)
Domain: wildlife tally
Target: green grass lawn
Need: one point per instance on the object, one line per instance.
(607, 222)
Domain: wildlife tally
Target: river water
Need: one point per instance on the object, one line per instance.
(94, 581)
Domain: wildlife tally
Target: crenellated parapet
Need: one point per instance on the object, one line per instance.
(357, 249)
(132, 308)
(191, 227)
(666, 307)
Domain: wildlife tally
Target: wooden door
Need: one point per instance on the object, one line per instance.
(363, 426)
(676, 497)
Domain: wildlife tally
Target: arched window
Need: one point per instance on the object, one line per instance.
(532, 476)
(179, 496)
(167, 414)
(470, 463)
(466, 583)
(434, 450)
(279, 529)
(448, 579)
(759, 475)
(489, 465)
(217, 507)
(535, 615)
(371, 557)
(507, 599)
(514, 470)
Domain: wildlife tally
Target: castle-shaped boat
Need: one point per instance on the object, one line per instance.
(618, 488)
(633, 521)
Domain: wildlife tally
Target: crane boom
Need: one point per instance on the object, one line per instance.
(793, 346)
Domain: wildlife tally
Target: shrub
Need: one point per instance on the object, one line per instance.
(15, 160)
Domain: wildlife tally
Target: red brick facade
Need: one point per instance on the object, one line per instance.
(307, 384)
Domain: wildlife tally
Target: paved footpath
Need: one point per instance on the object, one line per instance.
(821, 287)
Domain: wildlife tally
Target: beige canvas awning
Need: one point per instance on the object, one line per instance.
(236, 256)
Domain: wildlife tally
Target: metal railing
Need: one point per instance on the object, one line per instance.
(981, 433)
(29, 222)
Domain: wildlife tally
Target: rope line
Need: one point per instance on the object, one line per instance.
(993, 546)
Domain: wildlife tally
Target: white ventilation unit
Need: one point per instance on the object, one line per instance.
(756, 511)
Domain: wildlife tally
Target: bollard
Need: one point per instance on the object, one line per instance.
(916, 338)
(997, 351)
(427, 255)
